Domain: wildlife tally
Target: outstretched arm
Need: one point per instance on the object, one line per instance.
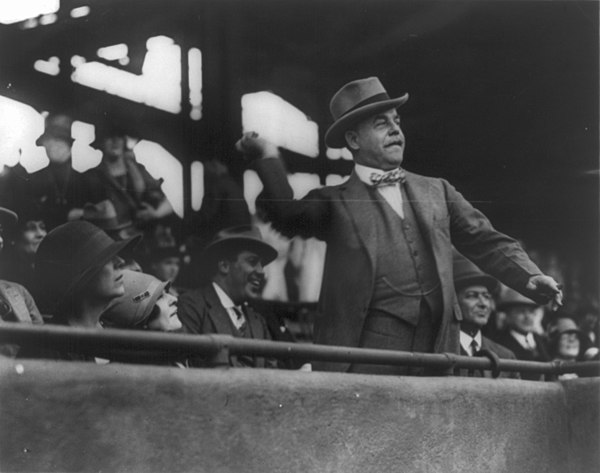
(307, 217)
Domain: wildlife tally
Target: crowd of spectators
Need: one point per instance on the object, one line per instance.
(104, 249)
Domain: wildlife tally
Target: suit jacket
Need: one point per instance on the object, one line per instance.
(23, 305)
(502, 352)
(343, 216)
(510, 342)
(24, 310)
(202, 313)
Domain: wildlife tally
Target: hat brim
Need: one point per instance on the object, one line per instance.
(8, 217)
(68, 139)
(489, 282)
(214, 250)
(334, 137)
(104, 257)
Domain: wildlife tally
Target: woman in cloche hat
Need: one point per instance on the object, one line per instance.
(80, 268)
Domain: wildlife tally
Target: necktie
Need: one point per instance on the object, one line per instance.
(474, 347)
(388, 178)
(241, 325)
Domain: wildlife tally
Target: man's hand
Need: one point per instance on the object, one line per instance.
(253, 146)
(546, 288)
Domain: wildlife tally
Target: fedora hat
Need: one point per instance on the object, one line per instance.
(467, 274)
(134, 307)
(72, 254)
(239, 238)
(353, 102)
(56, 126)
(511, 298)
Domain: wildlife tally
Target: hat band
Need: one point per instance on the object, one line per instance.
(373, 99)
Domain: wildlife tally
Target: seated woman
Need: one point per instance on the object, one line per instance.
(79, 271)
(565, 343)
(146, 305)
(16, 303)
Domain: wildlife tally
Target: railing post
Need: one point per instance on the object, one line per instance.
(220, 357)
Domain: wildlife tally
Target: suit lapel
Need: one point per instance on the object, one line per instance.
(418, 192)
(217, 313)
(361, 208)
(17, 303)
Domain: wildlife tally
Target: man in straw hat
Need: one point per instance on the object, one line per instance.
(388, 272)
(475, 295)
(234, 261)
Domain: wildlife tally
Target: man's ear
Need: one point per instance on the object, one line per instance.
(352, 139)
(223, 266)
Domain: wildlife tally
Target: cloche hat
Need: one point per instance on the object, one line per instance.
(72, 254)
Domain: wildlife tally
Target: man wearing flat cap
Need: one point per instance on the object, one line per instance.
(234, 262)
(388, 279)
(475, 295)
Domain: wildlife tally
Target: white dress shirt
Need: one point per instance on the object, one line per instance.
(390, 193)
(226, 302)
(466, 341)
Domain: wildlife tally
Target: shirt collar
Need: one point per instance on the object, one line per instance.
(466, 339)
(526, 341)
(223, 297)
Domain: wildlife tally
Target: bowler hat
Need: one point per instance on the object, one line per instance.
(511, 298)
(239, 238)
(353, 102)
(467, 274)
(72, 254)
(134, 307)
(56, 126)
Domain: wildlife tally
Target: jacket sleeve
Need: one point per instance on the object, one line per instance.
(307, 217)
(494, 252)
(36, 317)
(189, 314)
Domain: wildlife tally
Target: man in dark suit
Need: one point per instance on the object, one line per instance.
(475, 295)
(519, 336)
(234, 259)
(388, 271)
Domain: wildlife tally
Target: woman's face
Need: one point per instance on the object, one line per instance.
(31, 236)
(568, 345)
(165, 319)
(108, 283)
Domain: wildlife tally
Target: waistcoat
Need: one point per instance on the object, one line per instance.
(405, 269)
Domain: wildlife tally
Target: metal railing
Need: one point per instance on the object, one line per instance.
(218, 348)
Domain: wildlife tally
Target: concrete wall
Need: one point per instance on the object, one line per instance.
(83, 417)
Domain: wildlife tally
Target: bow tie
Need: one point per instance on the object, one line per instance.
(388, 178)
